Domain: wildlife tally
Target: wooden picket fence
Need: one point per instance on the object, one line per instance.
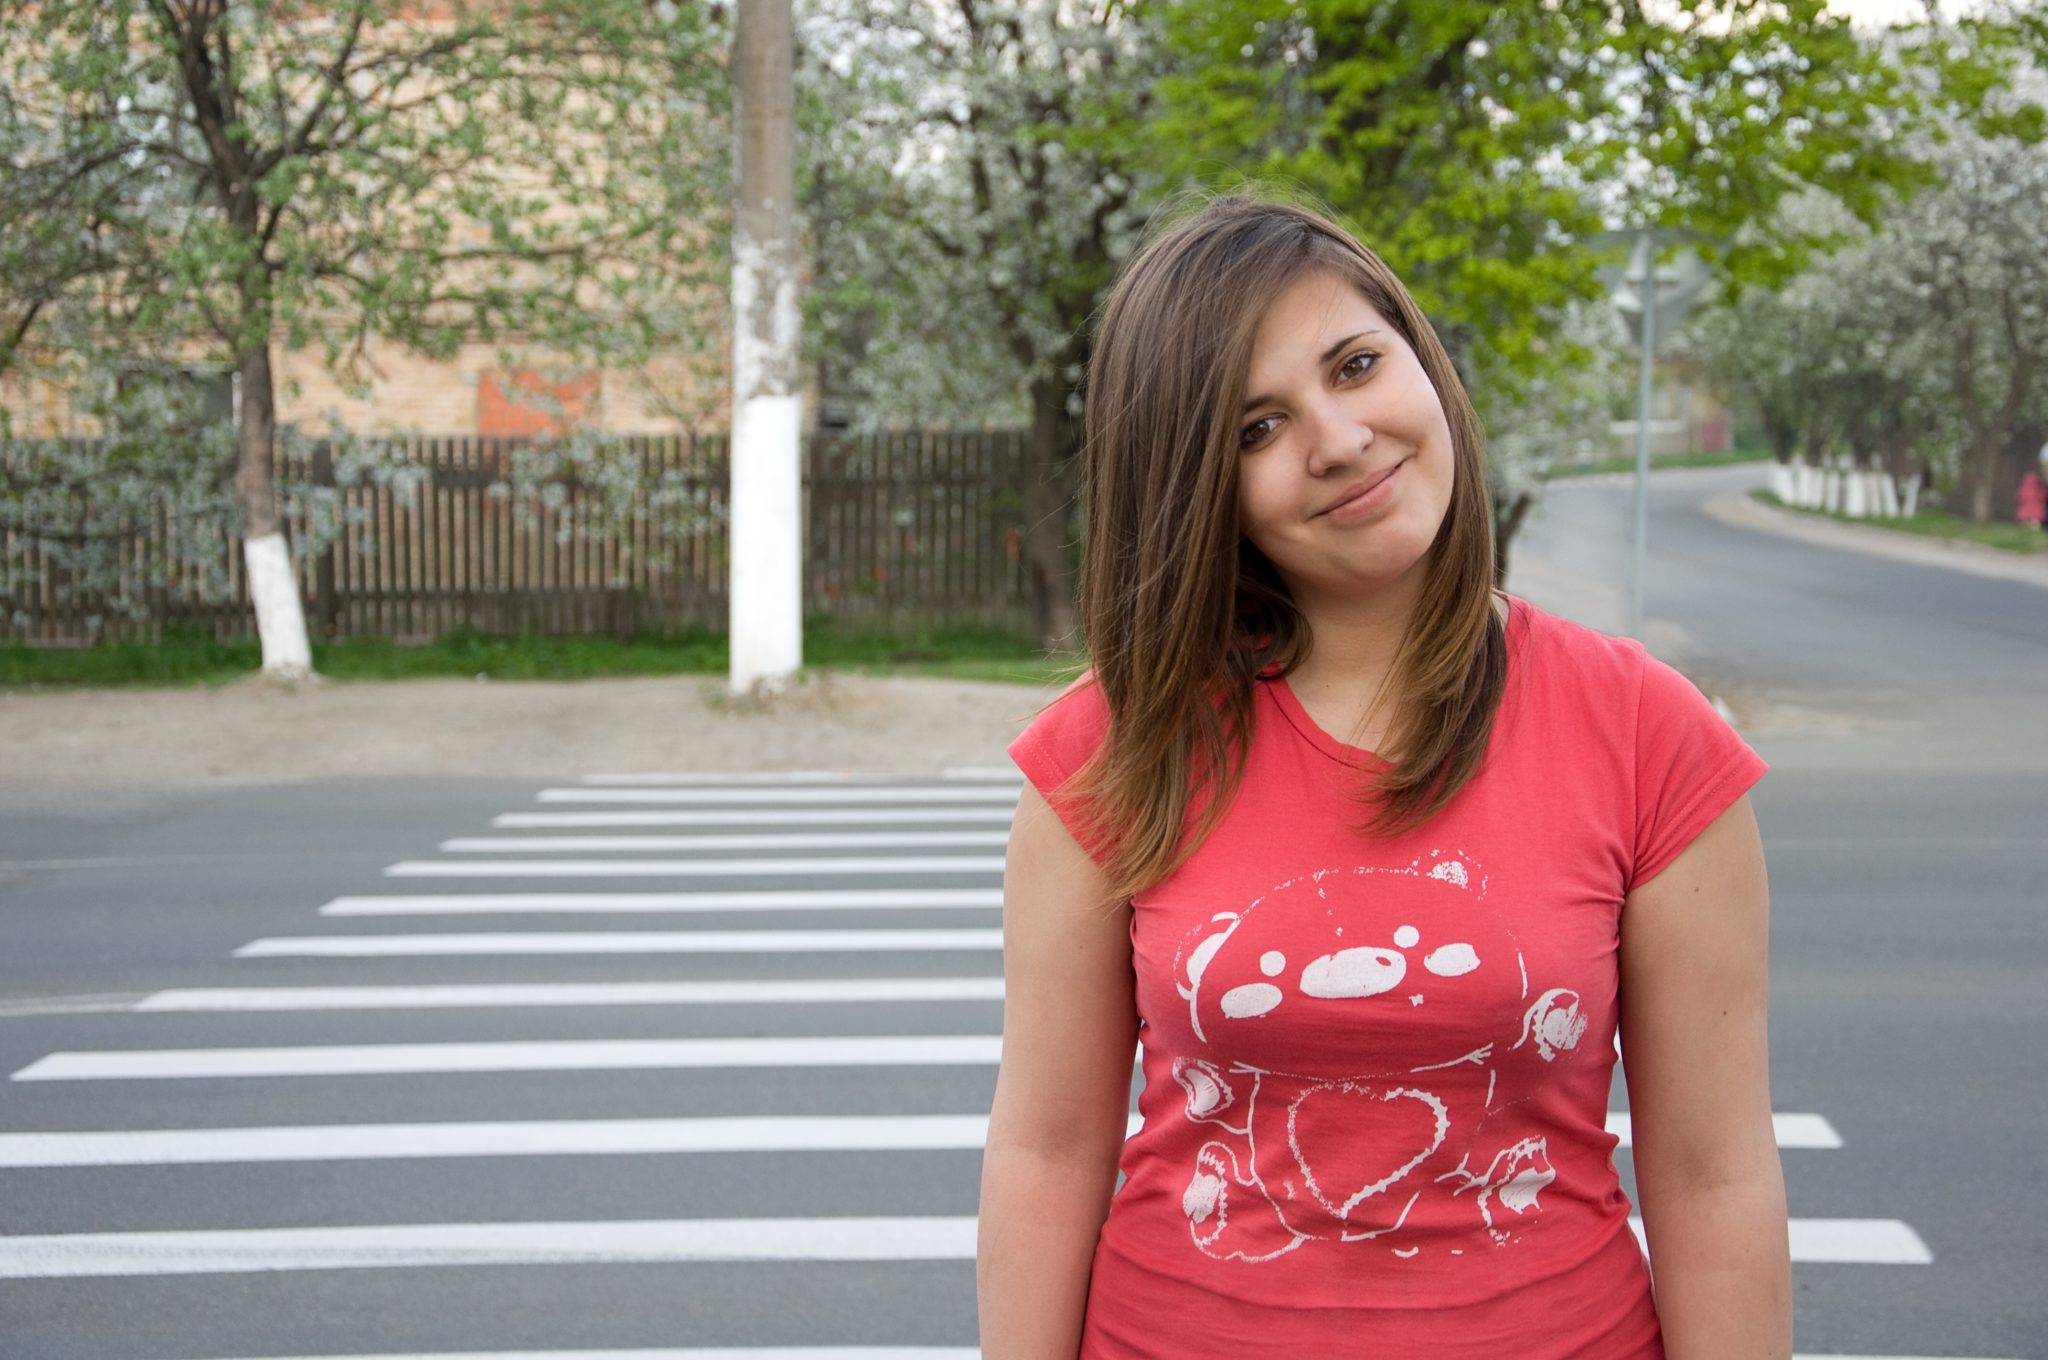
(901, 531)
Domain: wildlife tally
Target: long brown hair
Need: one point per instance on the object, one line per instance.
(1180, 611)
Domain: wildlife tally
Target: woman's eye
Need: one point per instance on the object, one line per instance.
(1362, 362)
(1254, 434)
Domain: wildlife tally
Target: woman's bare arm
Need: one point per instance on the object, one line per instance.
(1695, 1045)
(1062, 1094)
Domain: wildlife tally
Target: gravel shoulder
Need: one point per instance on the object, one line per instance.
(257, 732)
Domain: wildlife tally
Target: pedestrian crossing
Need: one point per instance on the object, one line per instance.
(835, 846)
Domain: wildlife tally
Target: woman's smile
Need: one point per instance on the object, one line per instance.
(1363, 499)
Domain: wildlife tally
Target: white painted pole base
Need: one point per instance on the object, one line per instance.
(766, 627)
(280, 621)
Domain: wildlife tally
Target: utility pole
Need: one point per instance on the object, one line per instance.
(1647, 293)
(765, 590)
(1653, 299)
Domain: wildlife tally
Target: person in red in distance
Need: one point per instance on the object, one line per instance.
(2033, 500)
(1370, 861)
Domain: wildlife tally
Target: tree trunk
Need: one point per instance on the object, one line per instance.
(766, 594)
(1051, 485)
(273, 590)
(1981, 464)
(1507, 521)
(1992, 466)
(1998, 489)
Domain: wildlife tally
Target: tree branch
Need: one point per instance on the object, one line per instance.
(12, 345)
(298, 140)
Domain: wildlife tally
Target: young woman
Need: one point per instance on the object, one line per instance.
(1370, 861)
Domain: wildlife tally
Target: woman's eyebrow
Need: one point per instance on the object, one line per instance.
(1328, 355)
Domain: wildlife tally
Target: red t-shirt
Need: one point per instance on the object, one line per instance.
(1376, 1071)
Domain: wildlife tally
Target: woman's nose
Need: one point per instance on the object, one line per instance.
(1336, 437)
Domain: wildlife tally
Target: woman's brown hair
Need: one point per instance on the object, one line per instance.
(1180, 611)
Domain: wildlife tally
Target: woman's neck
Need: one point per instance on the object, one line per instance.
(1343, 681)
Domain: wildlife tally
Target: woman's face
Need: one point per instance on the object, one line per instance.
(1344, 454)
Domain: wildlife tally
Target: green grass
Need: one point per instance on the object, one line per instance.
(1933, 523)
(1657, 463)
(190, 658)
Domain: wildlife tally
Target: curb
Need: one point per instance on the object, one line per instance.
(1974, 559)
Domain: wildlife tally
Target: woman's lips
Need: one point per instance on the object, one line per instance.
(1366, 496)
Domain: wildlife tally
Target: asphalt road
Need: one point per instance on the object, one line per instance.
(1901, 709)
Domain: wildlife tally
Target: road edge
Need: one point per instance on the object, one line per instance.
(1974, 559)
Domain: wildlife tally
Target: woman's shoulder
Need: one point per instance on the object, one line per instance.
(1064, 733)
(1544, 644)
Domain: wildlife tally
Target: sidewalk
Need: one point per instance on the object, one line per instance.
(255, 732)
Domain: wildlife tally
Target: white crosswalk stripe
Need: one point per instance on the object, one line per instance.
(965, 796)
(555, 1137)
(1792, 1130)
(953, 779)
(510, 904)
(909, 815)
(396, 1245)
(695, 868)
(872, 840)
(1847, 1241)
(691, 1353)
(392, 1246)
(622, 942)
(529, 1138)
(892, 834)
(791, 991)
(565, 1055)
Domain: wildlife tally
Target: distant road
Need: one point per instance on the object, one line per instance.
(1926, 667)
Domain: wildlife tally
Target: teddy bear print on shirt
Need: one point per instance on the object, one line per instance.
(1364, 1035)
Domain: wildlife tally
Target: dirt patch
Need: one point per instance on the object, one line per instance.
(259, 733)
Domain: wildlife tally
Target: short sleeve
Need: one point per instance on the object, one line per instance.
(1690, 768)
(1058, 742)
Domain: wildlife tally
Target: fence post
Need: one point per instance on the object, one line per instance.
(326, 601)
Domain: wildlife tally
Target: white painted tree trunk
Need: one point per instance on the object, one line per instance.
(1912, 497)
(1856, 494)
(1887, 495)
(765, 627)
(280, 620)
(1783, 485)
(1805, 486)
